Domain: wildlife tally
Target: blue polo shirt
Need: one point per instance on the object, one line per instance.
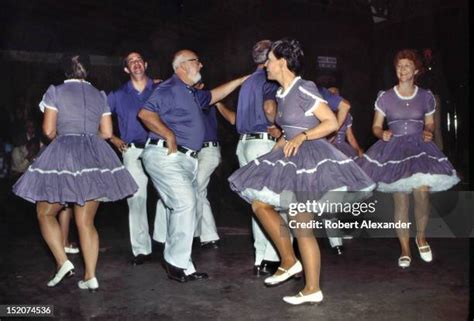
(180, 108)
(125, 102)
(332, 99)
(210, 124)
(253, 93)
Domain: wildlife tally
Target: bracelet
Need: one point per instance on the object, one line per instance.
(305, 135)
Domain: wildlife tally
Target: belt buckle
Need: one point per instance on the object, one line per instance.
(191, 153)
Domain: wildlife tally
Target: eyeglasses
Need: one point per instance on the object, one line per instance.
(193, 59)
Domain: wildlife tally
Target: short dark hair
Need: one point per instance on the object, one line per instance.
(290, 50)
(260, 51)
(124, 60)
(75, 65)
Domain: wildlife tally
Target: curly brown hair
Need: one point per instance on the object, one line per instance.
(412, 55)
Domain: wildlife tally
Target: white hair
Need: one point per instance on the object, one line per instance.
(178, 59)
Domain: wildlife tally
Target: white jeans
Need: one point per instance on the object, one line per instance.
(208, 160)
(137, 213)
(333, 235)
(247, 151)
(174, 176)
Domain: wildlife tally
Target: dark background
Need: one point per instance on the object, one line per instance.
(34, 34)
(222, 32)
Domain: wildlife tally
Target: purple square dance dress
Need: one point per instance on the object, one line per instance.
(318, 167)
(78, 165)
(405, 161)
(340, 141)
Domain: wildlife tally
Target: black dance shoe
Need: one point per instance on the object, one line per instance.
(196, 276)
(210, 245)
(140, 259)
(265, 268)
(175, 273)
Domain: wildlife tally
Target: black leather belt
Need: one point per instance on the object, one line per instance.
(208, 144)
(180, 148)
(257, 136)
(136, 145)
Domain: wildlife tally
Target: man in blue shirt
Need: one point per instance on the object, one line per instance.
(209, 158)
(256, 112)
(338, 104)
(173, 114)
(125, 103)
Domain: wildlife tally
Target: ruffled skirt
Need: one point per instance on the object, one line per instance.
(76, 169)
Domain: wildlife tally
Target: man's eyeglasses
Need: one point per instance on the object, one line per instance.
(193, 59)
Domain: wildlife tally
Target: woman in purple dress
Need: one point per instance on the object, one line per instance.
(78, 167)
(303, 162)
(345, 140)
(405, 159)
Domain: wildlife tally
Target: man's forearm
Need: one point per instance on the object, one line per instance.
(228, 114)
(224, 90)
(153, 122)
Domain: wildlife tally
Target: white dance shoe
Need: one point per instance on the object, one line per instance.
(300, 298)
(67, 269)
(293, 271)
(404, 261)
(71, 249)
(425, 251)
(92, 285)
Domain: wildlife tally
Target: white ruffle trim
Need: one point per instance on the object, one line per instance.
(268, 196)
(436, 183)
(42, 106)
(304, 170)
(85, 170)
(444, 159)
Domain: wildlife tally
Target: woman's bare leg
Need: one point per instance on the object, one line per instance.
(402, 205)
(64, 221)
(276, 228)
(310, 254)
(422, 213)
(49, 226)
(88, 236)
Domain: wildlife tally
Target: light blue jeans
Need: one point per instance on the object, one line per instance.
(208, 160)
(137, 212)
(174, 176)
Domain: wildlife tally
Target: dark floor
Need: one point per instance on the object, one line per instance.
(363, 284)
